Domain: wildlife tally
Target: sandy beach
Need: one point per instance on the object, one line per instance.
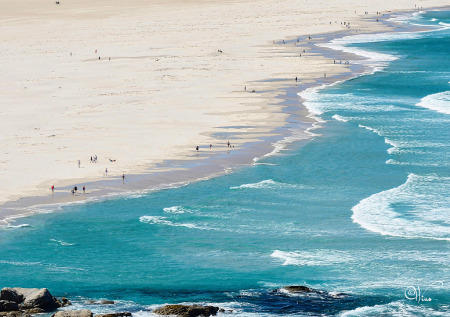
(141, 83)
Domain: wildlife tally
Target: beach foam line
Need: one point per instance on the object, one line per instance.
(425, 203)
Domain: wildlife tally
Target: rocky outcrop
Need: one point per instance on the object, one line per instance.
(29, 299)
(296, 289)
(187, 310)
(107, 302)
(74, 313)
(40, 299)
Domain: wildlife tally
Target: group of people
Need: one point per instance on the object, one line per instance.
(74, 190)
(93, 159)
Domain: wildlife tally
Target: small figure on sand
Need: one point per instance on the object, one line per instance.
(106, 172)
(84, 189)
(245, 88)
(123, 177)
(196, 147)
(53, 188)
(99, 58)
(210, 146)
(295, 79)
(228, 144)
(91, 158)
(73, 191)
(79, 163)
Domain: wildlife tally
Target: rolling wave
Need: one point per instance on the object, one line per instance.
(439, 102)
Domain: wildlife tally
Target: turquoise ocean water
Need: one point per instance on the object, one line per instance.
(360, 213)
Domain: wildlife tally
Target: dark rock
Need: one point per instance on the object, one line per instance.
(187, 310)
(65, 302)
(6, 305)
(90, 302)
(34, 311)
(221, 310)
(11, 295)
(107, 302)
(74, 313)
(297, 289)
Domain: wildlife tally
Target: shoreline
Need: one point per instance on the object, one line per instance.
(175, 173)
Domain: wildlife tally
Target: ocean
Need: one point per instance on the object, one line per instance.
(359, 213)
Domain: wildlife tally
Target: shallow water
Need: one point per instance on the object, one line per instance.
(359, 213)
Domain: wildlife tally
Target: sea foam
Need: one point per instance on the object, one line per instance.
(423, 213)
(439, 102)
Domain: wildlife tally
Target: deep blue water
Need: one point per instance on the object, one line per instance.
(359, 213)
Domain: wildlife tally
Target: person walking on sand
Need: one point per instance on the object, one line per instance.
(106, 172)
(79, 163)
(228, 144)
(210, 146)
(91, 158)
(295, 79)
(197, 148)
(123, 177)
(84, 189)
(53, 188)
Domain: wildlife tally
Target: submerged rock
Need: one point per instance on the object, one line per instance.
(107, 302)
(187, 310)
(126, 314)
(34, 311)
(74, 313)
(296, 289)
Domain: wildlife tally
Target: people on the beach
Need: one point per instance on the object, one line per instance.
(228, 144)
(196, 147)
(84, 189)
(123, 177)
(210, 146)
(99, 58)
(295, 79)
(106, 172)
(79, 163)
(91, 158)
(53, 188)
(73, 191)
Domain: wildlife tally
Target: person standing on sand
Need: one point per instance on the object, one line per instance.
(53, 188)
(295, 79)
(106, 172)
(197, 148)
(79, 163)
(84, 189)
(123, 177)
(210, 146)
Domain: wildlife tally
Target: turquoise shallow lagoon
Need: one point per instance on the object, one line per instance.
(360, 212)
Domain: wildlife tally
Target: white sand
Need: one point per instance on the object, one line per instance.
(166, 88)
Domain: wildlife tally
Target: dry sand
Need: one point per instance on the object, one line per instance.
(160, 88)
